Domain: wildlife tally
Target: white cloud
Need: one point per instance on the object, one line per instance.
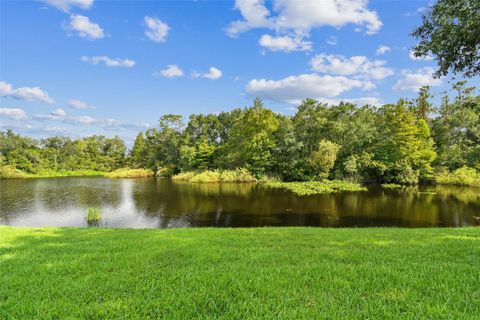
(59, 112)
(414, 80)
(358, 66)
(61, 116)
(213, 74)
(13, 113)
(24, 93)
(426, 58)
(79, 104)
(332, 41)
(294, 89)
(302, 16)
(85, 28)
(156, 29)
(171, 71)
(381, 50)
(127, 63)
(284, 43)
(66, 5)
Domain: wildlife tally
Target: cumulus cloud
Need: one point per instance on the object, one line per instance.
(414, 80)
(109, 62)
(156, 30)
(358, 66)
(382, 50)
(59, 112)
(117, 125)
(79, 104)
(61, 116)
(426, 58)
(284, 43)
(13, 113)
(66, 5)
(212, 74)
(302, 16)
(171, 71)
(85, 28)
(294, 89)
(24, 93)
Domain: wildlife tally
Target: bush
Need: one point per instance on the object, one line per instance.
(9, 171)
(130, 173)
(237, 175)
(464, 176)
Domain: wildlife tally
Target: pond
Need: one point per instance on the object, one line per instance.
(162, 203)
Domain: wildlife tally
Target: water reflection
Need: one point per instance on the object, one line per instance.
(162, 203)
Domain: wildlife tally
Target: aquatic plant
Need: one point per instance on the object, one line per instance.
(317, 187)
(93, 216)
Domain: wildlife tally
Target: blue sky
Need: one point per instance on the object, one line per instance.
(81, 67)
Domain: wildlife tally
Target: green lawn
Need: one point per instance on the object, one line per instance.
(274, 273)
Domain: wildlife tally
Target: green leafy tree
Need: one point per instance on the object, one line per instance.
(138, 155)
(450, 31)
(322, 160)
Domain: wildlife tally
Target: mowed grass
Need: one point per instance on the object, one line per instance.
(267, 273)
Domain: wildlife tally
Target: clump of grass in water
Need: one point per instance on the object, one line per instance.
(93, 216)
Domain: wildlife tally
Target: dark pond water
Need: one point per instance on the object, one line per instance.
(162, 203)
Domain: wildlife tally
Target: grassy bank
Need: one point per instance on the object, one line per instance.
(317, 187)
(130, 173)
(275, 273)
(461, 177)
(208, 176)
(9, 172)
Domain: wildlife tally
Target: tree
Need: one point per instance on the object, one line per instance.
(138, 154)
(323, 159)
(252, 141)
(450, 31)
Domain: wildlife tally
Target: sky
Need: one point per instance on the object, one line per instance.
(83, 67)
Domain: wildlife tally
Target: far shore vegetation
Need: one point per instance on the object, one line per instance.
(406, 143)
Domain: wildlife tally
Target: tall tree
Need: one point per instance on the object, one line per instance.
(451, 32)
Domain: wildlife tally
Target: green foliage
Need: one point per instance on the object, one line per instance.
(9, 171)
(322, 160)
(93, 217)
(463, 176)
(130, 173)
(449, 31)
(237, 175)
(317, 187)
(397, 143)
(251, 142)
(138, 154)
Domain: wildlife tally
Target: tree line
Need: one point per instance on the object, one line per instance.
(406, 142)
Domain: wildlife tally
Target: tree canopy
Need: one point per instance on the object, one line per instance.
(450, 31)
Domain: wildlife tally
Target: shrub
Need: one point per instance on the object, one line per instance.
(237, 175)
(464, 176)
(9, 171)
(130, 173)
